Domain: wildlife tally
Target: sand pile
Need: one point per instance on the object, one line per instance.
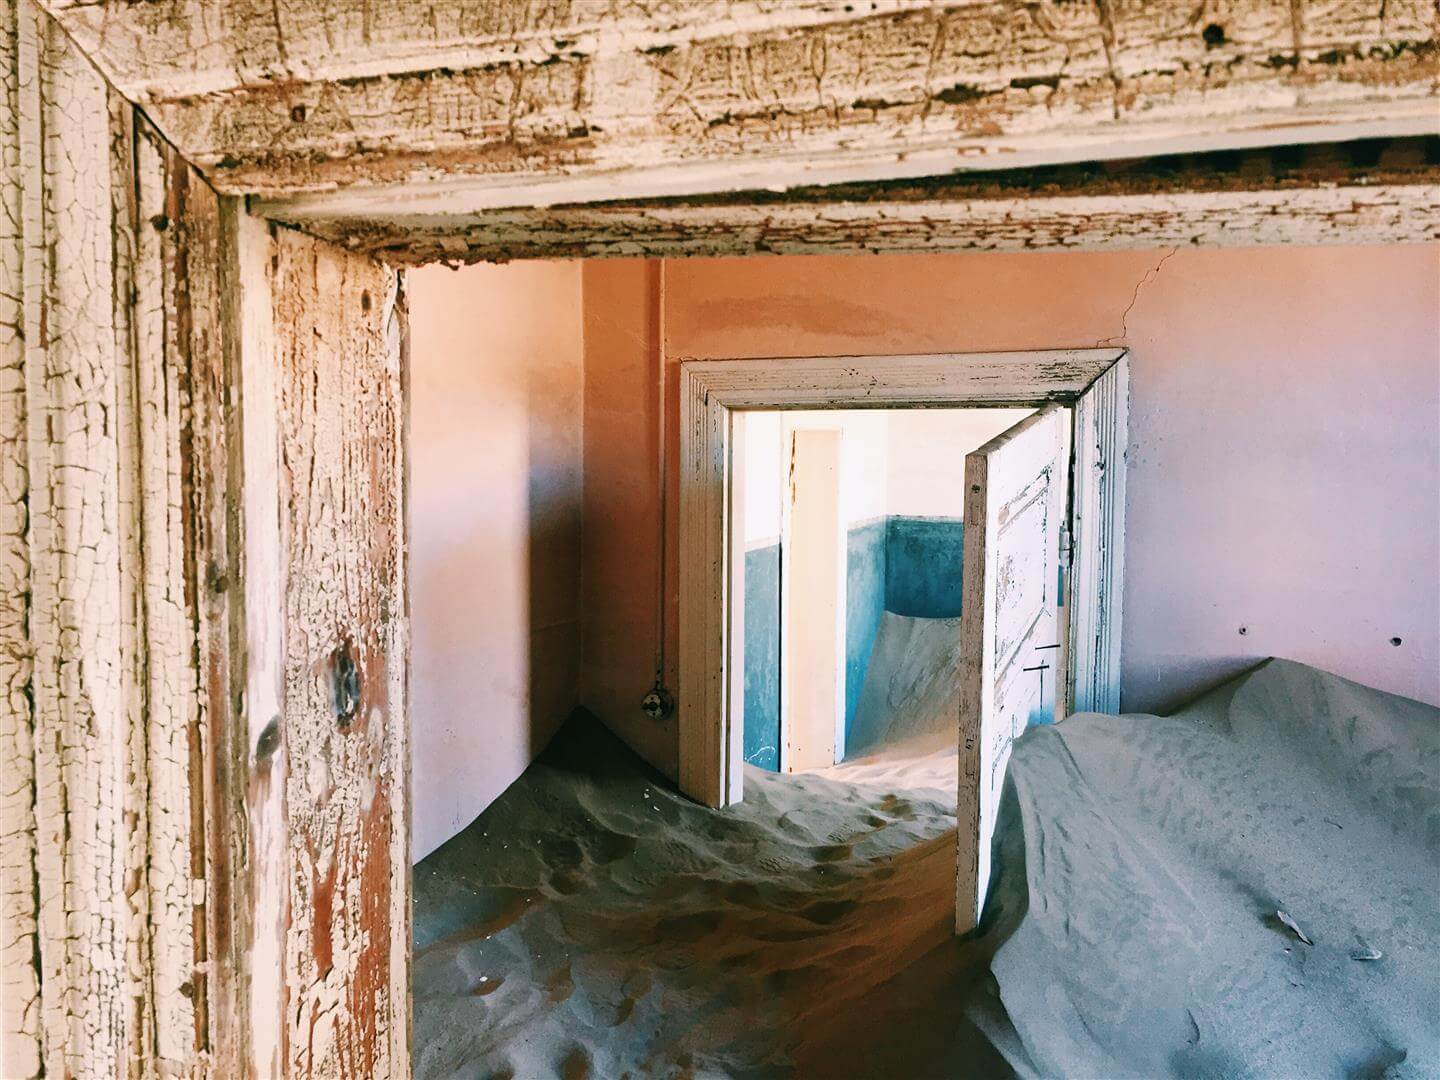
(1145, 860)
(590, 923)
(593, 923)
(904, 734)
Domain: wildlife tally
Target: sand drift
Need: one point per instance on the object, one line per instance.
(593, 923)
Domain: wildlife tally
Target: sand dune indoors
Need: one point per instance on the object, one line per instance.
(592, 923)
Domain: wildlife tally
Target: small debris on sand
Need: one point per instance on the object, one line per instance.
(1365, 951)
(1292, 926)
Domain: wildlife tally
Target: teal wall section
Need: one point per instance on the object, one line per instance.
(762, 657)
(865, 585)
(922, 566)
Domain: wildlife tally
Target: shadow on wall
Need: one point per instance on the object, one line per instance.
(902, 564)
(495, 508)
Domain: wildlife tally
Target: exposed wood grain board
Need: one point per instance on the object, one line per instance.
(1097, 526)
(89, 886)
(1370, 192)
(191, 47)
(168, 724)
(20, 1041)
(707, 774)
(340, 463)
(1348, 215)
(609, 103)
(1016, 488)
(104, 855)
(133, 303)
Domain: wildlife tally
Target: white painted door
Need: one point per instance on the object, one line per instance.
(812, 609)
(1016, 491)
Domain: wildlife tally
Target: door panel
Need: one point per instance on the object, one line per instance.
(812, 635)
(1010, 634)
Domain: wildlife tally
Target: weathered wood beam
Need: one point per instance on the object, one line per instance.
(524, 104)
(1375, 192)
(179, 897)
(103, 871)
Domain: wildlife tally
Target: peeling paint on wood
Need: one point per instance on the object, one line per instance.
(136, 321)
(1332, 215)
(103, 860)
(20, 1045)
(337, 383)
(1016, 488)
(1379, 191)
(620, 102)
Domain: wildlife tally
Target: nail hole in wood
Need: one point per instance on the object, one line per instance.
(1214, 36)
(1244, 630)
(1396, 642)
(298, 114)
(269, 740)
(345, 684)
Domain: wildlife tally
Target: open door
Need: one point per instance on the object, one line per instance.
(1012, 655)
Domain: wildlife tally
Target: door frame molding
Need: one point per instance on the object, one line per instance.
(711, 754)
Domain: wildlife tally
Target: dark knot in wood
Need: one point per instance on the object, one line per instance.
(345, 683)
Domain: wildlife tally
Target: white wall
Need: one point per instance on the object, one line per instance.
(927, 448)
(495, 445)
(864, 454)
(764, 476)
(907, 462)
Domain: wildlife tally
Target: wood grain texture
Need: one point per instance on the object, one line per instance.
(610, 100)
(339, 423)
(707, 772)
(1097, 529)
(1016, 489)
(949, 222)
(104, 861)
(20, 1040)
(137, 331)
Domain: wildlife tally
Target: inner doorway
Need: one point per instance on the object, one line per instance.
(1042, 559)
(853, 542)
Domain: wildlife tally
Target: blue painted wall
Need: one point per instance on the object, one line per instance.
(908, 565)
(762, 657)
(865, 588)
(922, 566)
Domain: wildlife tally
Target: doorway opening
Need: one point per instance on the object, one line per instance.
(853, 524)
(1042, 556)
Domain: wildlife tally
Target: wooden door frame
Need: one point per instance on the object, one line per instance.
(711, 390)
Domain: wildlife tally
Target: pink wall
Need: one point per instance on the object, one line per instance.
(1285, 438)
(495, 455)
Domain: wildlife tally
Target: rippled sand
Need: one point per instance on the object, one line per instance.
(593, 924)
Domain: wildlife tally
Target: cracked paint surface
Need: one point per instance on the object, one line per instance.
(340, 478)
(278, 98)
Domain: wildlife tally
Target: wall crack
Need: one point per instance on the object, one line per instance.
(1145, 279)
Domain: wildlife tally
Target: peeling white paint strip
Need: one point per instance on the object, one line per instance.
(98, 842)
(19, 979)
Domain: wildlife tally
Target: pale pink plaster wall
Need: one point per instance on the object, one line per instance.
(1285, 438)
(495, 503)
